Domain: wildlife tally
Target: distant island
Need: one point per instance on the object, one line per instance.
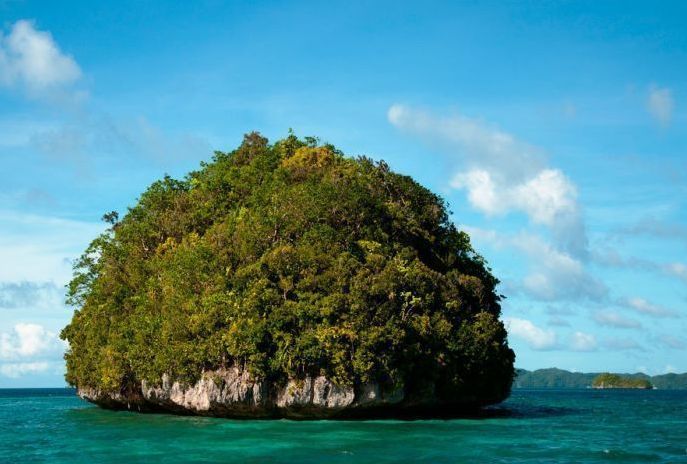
(560, 378)
(607, 380)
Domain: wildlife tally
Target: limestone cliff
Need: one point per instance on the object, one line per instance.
(235, 394)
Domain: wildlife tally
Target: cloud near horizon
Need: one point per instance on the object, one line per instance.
(30, 349)
(20, 369)
(540, 339)
(28, 341)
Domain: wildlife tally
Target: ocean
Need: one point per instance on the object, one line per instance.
(563, 426)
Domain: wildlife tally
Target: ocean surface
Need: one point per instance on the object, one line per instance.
(53, 425)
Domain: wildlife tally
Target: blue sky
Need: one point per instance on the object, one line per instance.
(557, 132)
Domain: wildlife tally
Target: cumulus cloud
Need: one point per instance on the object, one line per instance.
(613, 319)
(502, 174)
(660, 104)
(29, 349)
(29, 341)
(536, 337)
(545, 197)
(30, 59)
(580, 341)
(540, 339)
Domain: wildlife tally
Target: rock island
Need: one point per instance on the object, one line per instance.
(287, 280)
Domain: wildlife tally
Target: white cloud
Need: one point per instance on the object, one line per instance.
(556, 275)
(502, 174)
(536, 337)
(643, 306)
(552, 275)
(660, 104)
(40, 250)
(613, 319)
(580, 341)
(30, 58)
(544, 197)
(16, 370)
(482, 191)
(28, 341)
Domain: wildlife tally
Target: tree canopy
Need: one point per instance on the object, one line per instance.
(288, 259)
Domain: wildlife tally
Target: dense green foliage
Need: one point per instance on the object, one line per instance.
(607, 380)
(288, 259)
(670, 381)
(552, 378)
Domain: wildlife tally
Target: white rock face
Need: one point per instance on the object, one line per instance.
(318, 392)
(235, 393)
(225, 388)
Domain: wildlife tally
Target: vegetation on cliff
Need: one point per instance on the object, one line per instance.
(288, 259)
(607, 380)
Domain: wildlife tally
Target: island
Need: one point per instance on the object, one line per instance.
(287, 280)
(607, 380)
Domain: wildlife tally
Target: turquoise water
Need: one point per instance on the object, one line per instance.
(532, 426)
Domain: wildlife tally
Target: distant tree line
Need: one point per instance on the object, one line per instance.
(559, 378)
